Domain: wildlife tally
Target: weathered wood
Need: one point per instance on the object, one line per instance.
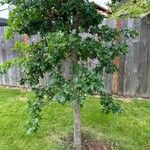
(134, 68)
(144, 58)
(115, 82)
(131, 62)
(122, 64)
(1, 47)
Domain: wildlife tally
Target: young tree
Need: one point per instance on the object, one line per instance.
(61, 24)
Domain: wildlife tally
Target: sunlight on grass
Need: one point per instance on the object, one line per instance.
(127, 131)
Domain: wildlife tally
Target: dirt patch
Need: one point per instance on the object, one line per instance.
(90, 144)
(95, 145)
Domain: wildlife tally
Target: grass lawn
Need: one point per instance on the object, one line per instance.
(127, 131)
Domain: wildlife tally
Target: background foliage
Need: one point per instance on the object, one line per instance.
(130, 8)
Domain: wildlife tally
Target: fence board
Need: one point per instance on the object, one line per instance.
(131, 62)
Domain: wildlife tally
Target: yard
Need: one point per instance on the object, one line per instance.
(127, 131)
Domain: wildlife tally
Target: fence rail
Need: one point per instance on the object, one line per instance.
(134, 68)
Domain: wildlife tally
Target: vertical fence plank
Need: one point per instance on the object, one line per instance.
(131, 68)
(148, 55)
(1, 48)
(144, 56)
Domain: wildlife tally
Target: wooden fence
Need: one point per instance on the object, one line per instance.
(134, 68)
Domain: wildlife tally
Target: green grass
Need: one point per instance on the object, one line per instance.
(128, 131)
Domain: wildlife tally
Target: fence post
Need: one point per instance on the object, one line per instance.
(115, 82)
(25, 39)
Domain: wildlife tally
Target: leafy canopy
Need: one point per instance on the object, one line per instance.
(62, 51)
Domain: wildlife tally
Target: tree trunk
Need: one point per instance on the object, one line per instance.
(77, 124)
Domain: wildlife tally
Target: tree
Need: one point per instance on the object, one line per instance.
(60, 25)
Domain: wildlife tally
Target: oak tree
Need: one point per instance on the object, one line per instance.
(61, 52)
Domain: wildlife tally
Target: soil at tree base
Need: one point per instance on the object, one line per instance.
(89, 144)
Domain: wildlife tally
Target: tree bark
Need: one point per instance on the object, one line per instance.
(77, 126)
